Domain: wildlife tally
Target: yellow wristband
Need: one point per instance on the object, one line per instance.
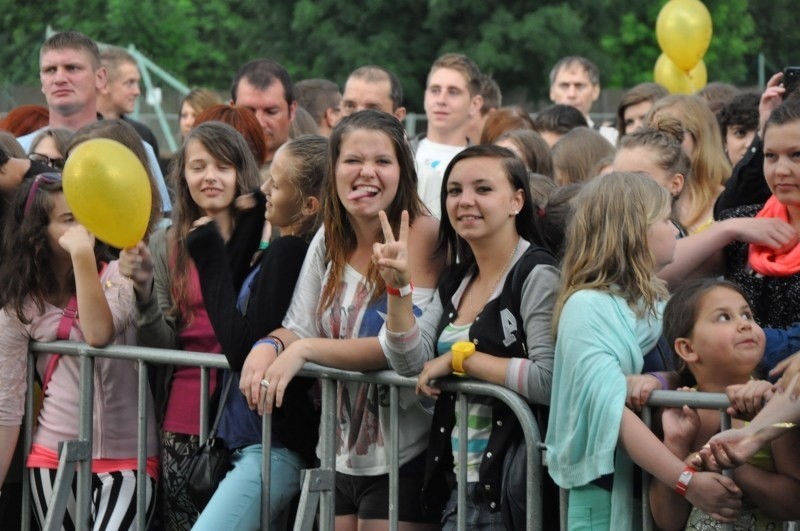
(461, 351)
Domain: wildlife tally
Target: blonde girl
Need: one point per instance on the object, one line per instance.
(607, 316)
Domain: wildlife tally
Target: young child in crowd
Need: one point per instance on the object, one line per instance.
(608, 315)
(58, 284)
(718, 344)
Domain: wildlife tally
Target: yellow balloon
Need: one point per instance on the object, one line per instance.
(684, 29)
(108, 190)
(677, 81)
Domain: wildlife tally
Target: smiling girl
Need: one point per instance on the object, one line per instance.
(214, 167)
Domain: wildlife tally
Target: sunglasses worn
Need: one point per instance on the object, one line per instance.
(46, 178)
(56, 164)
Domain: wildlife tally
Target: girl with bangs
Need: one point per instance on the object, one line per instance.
(213, 167)
(59, 283)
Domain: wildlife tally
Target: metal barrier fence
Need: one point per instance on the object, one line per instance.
(317, 484)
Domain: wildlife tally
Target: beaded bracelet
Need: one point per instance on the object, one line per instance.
(270, 340)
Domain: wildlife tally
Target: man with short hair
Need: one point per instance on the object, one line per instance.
(492, 100)
(323, 101)
(265, 87)
(452, 99)
(118, 97)
(72, 75)
(575, 81)
(373, 87)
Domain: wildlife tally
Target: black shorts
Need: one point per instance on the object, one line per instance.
(368, 496)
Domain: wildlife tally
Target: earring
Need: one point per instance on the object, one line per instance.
(515, 212)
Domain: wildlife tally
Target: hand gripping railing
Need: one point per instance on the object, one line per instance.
(317, 483)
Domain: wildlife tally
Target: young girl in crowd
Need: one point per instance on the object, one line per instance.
(771, 276)
(608, 315)
(718, 345)
(293, 200)
(490, 319)
(57, 284)
(213, 167)
(338, 310)
(702, 141)
(656, 151)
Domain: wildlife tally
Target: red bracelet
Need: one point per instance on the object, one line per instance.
(403, 291)
(684, 479)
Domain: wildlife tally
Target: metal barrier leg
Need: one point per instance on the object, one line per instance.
(647, 519)
(394, 458)
(463, 424)
(327, 430)
(70, 452)
(266, 468)
(141, 444)
(27, 439)
(314, 483)
(84, 495)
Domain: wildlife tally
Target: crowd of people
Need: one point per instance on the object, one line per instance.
(580, 265)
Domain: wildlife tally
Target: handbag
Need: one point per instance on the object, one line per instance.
(210, 462)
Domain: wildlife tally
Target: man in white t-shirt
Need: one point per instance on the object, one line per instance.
(575, 81)
(452, 99)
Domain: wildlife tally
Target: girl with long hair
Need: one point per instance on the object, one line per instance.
(58, 283)
(339, 308)
(495, 303)
(213, 167)
(607, 316)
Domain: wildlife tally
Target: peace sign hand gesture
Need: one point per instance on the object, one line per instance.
(391, 257)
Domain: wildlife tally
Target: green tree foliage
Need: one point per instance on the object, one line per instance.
(517, 41)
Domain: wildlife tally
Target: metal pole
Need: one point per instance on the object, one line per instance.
(266, 468)
(203, 404)
(394, 458)
(141, 444)
(83, 511)
(463, 424)
(328, 451)
(27, 439)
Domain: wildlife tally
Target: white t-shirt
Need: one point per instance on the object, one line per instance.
(362, 410)
(432, 159)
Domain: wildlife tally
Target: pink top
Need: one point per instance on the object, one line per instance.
(114, 429)
(183, 405)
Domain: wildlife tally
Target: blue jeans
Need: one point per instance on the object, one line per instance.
(237, 502)
(479, 517)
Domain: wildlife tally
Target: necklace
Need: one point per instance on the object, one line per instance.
(496, 282)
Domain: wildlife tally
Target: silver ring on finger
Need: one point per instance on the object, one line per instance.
(264, 383)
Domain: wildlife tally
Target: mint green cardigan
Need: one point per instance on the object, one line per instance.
(600, 341)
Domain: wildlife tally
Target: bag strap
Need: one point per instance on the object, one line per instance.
(225, 389)
(68, 317)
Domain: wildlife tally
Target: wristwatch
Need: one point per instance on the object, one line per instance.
(461, 350)
(684, 479)
(403, 291)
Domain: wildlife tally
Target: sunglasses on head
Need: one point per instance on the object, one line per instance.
(46, 178)
(56, 164)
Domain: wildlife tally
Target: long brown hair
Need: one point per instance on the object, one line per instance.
(225, 144)
(340, 239)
